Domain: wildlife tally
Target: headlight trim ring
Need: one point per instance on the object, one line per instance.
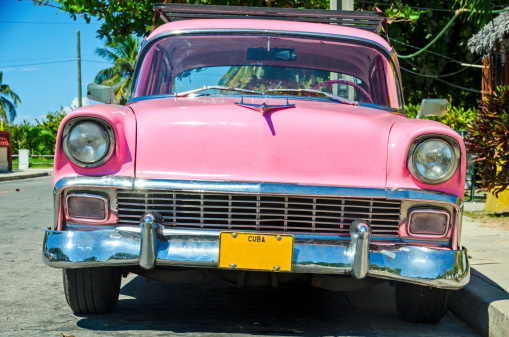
(451, 142)
(71, 124)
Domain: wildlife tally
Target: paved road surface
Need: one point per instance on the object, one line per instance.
(32, 301)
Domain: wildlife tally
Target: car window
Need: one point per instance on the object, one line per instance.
(259, 63)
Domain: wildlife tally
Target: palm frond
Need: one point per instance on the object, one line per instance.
(6, 91)
(8, 107)
(479, 11)
(123, 52)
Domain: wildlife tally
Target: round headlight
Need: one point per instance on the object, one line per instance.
(87, 143)
(433, 161)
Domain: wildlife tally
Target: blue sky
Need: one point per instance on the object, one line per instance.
(30, 38)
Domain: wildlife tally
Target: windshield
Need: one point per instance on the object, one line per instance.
(183, 63)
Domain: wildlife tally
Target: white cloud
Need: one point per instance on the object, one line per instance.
(40, 118)
(24, 118)
(74, 104)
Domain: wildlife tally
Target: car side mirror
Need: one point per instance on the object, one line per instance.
(433, 107)
(101, 93)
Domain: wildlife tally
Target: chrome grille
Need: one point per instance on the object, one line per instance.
(265, 213)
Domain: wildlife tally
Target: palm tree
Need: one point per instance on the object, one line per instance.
(9, 101)
(123, 52)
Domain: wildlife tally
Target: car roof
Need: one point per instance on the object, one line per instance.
(270, 25)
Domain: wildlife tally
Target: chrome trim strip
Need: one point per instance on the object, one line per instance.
(425, 195)
(448, 269)
(300, 98)
(120, 182)
(257, 188)
(84, 181)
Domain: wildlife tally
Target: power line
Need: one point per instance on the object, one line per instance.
(391, 4)
(36, 64)
(427, 51)
(97, 61)
(431, 9)
(39, 58)
(439, 79)
(52, 62)
(435, 39)
(51, 23)
(438, 76)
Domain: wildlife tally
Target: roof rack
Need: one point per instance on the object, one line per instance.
(371, 21)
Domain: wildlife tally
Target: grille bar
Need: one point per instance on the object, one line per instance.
(229, 214)
(121, 197)
(265, 213)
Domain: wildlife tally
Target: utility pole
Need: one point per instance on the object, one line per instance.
(342, 5)
(79, 67)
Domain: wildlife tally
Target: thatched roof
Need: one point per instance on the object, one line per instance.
(492, 34)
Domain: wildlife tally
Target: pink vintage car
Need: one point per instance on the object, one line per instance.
(261, 146)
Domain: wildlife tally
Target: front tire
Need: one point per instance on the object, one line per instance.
(92, 290)
(421, 304)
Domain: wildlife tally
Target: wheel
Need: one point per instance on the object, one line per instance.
(420, 304)
(92, 290)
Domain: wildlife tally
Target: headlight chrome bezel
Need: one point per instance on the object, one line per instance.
(69, 127)
(456, 153)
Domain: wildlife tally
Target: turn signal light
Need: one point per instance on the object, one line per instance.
(87, 207)
(428, 222)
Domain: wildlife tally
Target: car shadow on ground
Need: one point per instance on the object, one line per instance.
(217, 307)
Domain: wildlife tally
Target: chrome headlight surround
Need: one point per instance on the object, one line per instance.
(110, 140)
(450, 142)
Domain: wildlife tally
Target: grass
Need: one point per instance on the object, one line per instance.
(480, 195)
(488, 215)
(489, 219)
(35, 163)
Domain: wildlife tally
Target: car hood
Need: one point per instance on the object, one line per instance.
(312, 143)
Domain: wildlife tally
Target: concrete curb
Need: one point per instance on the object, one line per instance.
(14, 176)
(483, 306)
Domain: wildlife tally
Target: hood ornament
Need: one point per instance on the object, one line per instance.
(264, 108)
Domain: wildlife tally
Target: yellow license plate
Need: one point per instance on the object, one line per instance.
(268, 252)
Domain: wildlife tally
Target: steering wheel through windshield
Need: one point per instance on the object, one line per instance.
(355, 85)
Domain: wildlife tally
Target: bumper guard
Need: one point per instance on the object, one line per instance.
(151, 244)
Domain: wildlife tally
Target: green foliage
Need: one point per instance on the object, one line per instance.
(122, 52)
(489, 140)
(457, 118)
(9, 100)
(40, 138)
(479, 11)
(126, 17)
(418, 27)
(409, 26)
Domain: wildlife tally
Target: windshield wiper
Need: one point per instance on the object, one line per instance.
(218, 87)
(313, 91)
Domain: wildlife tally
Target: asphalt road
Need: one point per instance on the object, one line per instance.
(32, 301)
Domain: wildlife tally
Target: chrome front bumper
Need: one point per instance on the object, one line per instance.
(152, 245)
